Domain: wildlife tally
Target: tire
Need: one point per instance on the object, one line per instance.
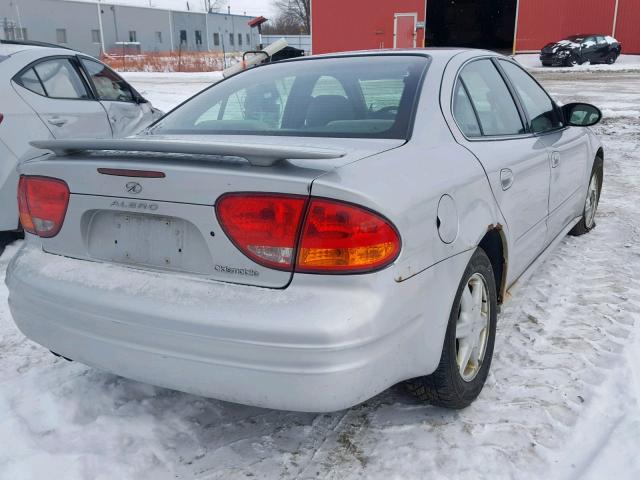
(611, 59)
(572, 61)
(446, 387)
(587, 222)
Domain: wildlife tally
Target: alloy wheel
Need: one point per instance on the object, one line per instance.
(591, 204)
(472, 327)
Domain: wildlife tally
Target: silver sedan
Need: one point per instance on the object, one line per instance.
(304, 235)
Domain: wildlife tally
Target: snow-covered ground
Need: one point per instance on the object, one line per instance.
(168, 90)
(561, 401)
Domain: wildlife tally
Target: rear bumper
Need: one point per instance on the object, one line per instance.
(323, 344)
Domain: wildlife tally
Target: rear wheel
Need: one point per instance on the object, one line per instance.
(468, 344)
(611, 58)
(588, 222)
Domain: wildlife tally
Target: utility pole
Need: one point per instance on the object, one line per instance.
(103, 51)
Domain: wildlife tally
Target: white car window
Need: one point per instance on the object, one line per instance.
(542, 112)
(491, 99)
(30, 81)
(60, 79)
(463, 112)
(109, 85)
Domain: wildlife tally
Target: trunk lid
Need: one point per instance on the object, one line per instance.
(169, 223)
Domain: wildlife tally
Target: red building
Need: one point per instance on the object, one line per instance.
(512, 25)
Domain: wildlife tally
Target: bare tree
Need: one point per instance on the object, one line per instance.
(282, 25)
(215, 6)
(296, 11)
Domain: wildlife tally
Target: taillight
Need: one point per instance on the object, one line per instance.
(333, 236)
(344, 238)
(263, 227)
(42, 204)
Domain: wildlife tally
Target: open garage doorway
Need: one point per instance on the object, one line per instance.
(486, 24)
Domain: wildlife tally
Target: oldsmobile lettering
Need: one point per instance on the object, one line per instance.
(249, 272)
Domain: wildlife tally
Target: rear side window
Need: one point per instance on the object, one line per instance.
(359, 97)
(463, 112)
(109, 86)
(491, 99)
(541, 110)
(60, 79)
(30, 81)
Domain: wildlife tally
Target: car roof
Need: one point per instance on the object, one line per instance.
(8, 47)
(430, 51)
(438, 54)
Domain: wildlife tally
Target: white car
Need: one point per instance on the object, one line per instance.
(58, 93)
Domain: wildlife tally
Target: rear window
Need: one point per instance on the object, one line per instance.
(363, 97)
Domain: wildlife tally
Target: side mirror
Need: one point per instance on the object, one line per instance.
(581, 114)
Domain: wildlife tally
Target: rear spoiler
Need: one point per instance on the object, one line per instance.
(257, 155)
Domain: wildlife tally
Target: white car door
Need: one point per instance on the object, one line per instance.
(516, 162)
(55, 90)
(127, 111)
(568, 148)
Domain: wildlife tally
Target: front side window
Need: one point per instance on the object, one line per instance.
(109, 86)
(493, 103)
(589, 42)
(359, 97)
(60, 79)
(542, 112)
(61, 35)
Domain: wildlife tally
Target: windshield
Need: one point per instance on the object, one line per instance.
(368, 96)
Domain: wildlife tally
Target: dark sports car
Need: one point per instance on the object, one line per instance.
(578, 49)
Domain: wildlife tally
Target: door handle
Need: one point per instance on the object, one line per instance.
(57, 121)
(506, 178)
(555, 159)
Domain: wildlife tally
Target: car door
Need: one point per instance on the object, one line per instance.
(55, 90)
(127, 111)
(567, 146)
(516, 162)
(589, 49)
(602, 48)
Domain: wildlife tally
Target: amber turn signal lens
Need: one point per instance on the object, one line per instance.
(340, 237)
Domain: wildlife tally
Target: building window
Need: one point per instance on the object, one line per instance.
(198, 37)
(216, 39)
(240, 39)
(231, 39)
(183, 37)
(61, 35)
(248, 39)
(133, 36)
(158, 37)
(95, 36)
